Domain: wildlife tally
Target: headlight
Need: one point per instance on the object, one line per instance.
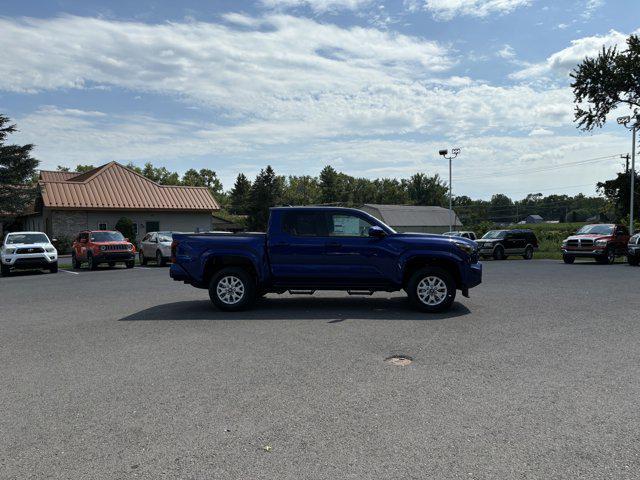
(130, 246)
(50, 249)
(465, 247)
(103, 247)
(564, 243)
(9, 251)
(601, 243)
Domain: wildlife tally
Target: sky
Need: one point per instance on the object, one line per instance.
(373, 88)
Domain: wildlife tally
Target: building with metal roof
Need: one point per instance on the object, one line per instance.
(69, 202)
(414, 218)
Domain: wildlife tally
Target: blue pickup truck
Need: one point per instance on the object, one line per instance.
(325, 248)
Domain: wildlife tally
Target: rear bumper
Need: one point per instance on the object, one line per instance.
(177, 273)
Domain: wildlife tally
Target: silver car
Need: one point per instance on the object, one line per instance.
(156, 246)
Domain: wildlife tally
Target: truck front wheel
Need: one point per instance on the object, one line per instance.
(232, 289)
(431, 289)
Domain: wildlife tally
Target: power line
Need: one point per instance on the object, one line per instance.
(538, 170)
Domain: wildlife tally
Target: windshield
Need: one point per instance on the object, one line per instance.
(27, 238)
(165, 237)
(596, 229)
(106, 237)
(495, 234)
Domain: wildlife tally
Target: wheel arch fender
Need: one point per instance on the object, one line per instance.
(449, 262)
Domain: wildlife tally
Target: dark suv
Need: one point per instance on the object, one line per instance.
(499, 244)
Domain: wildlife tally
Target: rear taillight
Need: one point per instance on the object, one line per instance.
(174, 247)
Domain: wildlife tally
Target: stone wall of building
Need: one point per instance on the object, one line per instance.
(68, 223)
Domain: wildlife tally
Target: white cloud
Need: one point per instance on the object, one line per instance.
(562, 62)
(507, 52)
(292, 91)
(449, 9)
(591, 6)
(317, 5)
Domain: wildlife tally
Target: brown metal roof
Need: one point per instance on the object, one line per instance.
(113, 186)
(53, 176)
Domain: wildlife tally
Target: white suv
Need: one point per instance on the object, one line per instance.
(157, 246)
(28, 250)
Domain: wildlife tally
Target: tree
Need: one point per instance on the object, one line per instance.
(125, 226)
(266, 192)
(84, 168)
(603, 83)
(617, 192)
(425, 190)
(17, 171)
(303, 190)
(239, 195)
(330, 185)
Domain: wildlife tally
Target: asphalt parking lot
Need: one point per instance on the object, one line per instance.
(126, 374)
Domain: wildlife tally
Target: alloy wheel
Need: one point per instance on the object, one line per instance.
(432, 290)
(230, 290)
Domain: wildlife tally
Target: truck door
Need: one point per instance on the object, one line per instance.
(352, 256)
(296, 246)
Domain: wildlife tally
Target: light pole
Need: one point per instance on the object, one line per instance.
(625, 121)
(454, 153)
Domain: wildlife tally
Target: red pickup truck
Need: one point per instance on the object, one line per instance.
(604, 242)
(102, 246)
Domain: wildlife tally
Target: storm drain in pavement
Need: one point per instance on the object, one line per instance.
(399, 360)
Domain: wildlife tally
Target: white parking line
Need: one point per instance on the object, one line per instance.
(69, 271)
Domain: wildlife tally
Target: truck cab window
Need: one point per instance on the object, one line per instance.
(341, 225)
(304, 224)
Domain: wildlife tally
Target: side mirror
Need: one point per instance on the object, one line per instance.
(126, 239)
(376, 232)
(54, 240)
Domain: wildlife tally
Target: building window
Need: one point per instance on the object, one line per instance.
(135, 229)
(102, 226)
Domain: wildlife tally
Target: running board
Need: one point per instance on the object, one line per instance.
(360, 292)
(301, 292)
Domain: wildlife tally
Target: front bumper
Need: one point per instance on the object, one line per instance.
(30, 260)
(473, 276)
(634, 250)
(596, 252)
(114, 257)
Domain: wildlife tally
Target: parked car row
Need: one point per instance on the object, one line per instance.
(34, 250)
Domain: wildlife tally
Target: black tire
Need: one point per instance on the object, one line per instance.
(53, 268)
(528, 253)
(160, 261)
(143, 259)
(243, 280)
(130, 263)
(608, 258)
(434, 277)
(633, 260)
(75, 263)
(498, 253)
(5, 271)
(92, 264)
(568, 259)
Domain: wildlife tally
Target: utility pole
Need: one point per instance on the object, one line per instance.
(635, 126)
(454, 153)
(626, 163)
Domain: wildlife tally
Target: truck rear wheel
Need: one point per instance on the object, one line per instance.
(431, 289)
(232, 289)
